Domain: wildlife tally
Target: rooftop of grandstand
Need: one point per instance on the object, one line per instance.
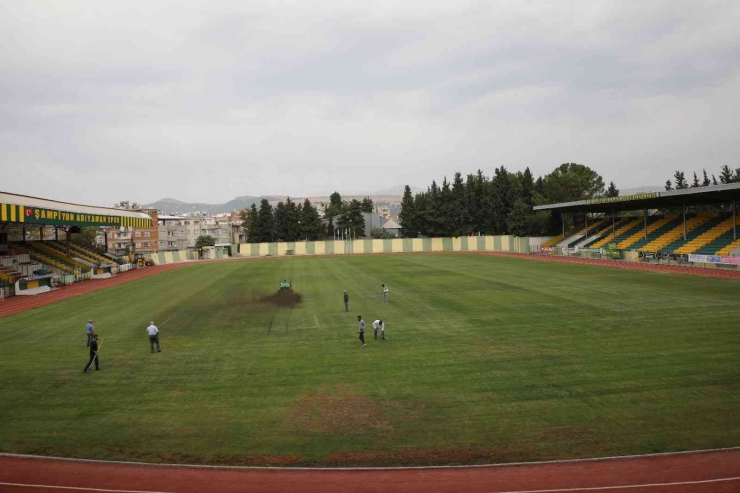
(651, 200)
(16, 208)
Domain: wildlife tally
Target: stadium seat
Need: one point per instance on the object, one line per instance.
(703, 235)
(624, 227)
(660, 243)
(654, 224)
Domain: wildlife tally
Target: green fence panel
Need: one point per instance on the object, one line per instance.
(176, 256)
(464, 244)
(311, 248)
(254, 249)
(447, 244)
(496, 243)
(481, 243)
(368, 246)
(272, 249)
(426, 245)
(387, 246)
(408, 245)
(329, 247)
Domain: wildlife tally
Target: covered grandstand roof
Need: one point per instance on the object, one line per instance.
(651, 200)
(16, 208)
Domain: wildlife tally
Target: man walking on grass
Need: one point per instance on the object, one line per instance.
(346, 302)
(90, 329)
(153, 336)
(361, 326)
(385, 293)
(93, 355)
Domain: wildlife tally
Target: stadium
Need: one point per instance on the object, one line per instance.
(616, 338)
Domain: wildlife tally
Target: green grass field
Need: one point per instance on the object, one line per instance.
(489, 359)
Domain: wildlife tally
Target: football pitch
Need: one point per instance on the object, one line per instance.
(488, 359)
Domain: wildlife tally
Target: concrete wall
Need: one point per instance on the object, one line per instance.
(395, 245)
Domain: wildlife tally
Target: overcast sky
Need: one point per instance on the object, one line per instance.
(204, 101)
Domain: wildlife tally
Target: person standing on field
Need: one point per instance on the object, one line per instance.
(93, 355)
(385, 293)
(90, 329)
(153, 336)
(379, 325)
(346, 302)
(361, 326)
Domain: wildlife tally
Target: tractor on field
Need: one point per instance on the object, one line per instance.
(286, 285)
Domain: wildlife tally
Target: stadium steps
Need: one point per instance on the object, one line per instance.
(554, 241)
(671, 236)
(603, 233)
(628, 228)
(53, 252)
(104, 259)
(692, 245)
(51, 264)
(652, 227)
(716, 245)
(593, 230)
(726, 251)
(48, 257)
(679, 242)
(61, 248)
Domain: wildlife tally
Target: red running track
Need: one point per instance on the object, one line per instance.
(15, 304)
(717, 472)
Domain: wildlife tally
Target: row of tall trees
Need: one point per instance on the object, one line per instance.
(287, 221)
(500, 204)
(726, 175)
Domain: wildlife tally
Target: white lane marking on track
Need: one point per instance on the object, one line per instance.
(77, 488)
(624, 487)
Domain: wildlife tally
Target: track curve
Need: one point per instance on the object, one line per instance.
(711, 471)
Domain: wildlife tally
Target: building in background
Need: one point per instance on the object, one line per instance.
(125, 240)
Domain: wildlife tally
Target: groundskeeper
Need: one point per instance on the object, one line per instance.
(153, 332)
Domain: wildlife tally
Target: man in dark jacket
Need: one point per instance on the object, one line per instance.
(346, 302)
(93, 355)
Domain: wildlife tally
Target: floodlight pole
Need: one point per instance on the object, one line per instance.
(644, 214)
(562, 220)
(734, 221)
(613, 227)
(683, 210)
(586, 216)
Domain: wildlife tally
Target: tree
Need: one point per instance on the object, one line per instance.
(204, 240)
(330, 228)
(89, 236)
(367, 205)
(351, 219)
(407, 216)
(680, 180)
(668, 185)
(312, 228)
(279, 226)
(249, 218)
(714, 180)
(527, 187)
(726, 175)
(335, 206)
(612, 191)
(458, 211)
(737, 175)
(570, 182)
(265, 222)
(706, 181)
(292, 223)
(696, 183)
(380, 233)
(518, 220)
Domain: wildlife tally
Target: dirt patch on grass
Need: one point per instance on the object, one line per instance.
(284, 297)
(259, 460)
(352, 415)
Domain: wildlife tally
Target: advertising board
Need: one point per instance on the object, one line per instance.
(713, 259)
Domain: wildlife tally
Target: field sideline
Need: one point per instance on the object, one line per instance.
(489, 359)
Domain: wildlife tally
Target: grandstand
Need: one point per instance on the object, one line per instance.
(648, 222)
(25, 251)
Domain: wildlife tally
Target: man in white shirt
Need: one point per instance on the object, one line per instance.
(385, 293)
(153, 336)
(379, 325)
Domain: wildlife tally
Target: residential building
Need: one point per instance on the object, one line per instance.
(138, 240)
